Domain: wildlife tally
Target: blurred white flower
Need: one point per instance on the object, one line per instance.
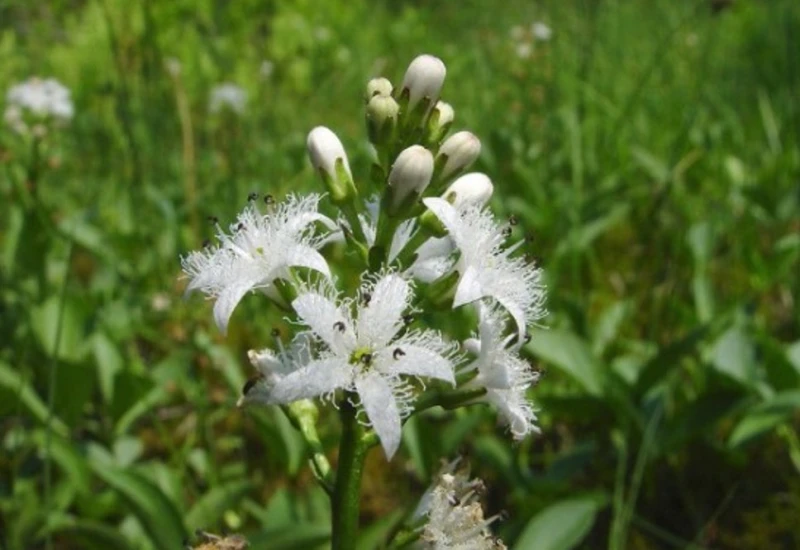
(266, 69)
(227, 96)
(36, 102)
(258, 249)
(486, 269)
(367, 353)
(541, 31)
(517, 32)
(524, 50)
(173, 66)
(455, 516)
(504, 374)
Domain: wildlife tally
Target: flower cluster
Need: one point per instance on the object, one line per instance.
(420, 230)
(33, 105)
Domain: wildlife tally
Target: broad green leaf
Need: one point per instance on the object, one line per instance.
(108, 361)
(560, 526)
(88, 534)
(68, 458)
(734, 356)
(51, 322)
(775, 410)
(607, 326)
(210, 507)
(17, 390)
(668, 358)
(159, 517)
(570, 354)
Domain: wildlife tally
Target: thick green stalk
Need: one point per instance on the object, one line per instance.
(347, 492)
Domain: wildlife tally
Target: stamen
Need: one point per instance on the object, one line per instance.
(213, 220)
(339, 325)
(506, 231)
(206, 243)
(366, 359)
(398, 353)
(252, 196)
(408, 319)
(367, 298)
(269, 200)
(513, 220)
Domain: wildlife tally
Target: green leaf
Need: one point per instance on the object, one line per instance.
(159, 517)
(734, 356)
(18, 390)
(108, 361)
(570, 354)
(777, 409)
(210, 507)
(88, 534)
(607, 326)
(560, 526)
(668, 358)
(45, 319)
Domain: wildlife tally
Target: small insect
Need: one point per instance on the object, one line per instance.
(210, 541)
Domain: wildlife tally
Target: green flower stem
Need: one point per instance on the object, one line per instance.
(303, 415)
(447, 399)
(346, 494)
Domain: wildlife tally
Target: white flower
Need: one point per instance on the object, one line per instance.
(524, 50)
(541, 31)
(455, 516)
(367, 353)
(259, 249)
(458, 151)
(325, 149)
(504, 374)
(471, 190)
(273, 367)
(486, 269)
(410, 173)
(227, 96)
(378, 86)
(38, 99)
(424, 79)
(266, 69)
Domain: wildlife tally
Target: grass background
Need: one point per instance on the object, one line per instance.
(652, 148)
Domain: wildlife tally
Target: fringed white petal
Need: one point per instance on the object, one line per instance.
(317, 378)
(382, 317)
(379, 403)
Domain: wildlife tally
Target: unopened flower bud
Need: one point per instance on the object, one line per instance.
(410, 175)
(329, 159)
(457, 153)
(424, 79)
(378, 86)
(439, 122)
(382, 112)
(470, 190)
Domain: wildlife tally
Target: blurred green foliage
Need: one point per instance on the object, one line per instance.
(651, 148)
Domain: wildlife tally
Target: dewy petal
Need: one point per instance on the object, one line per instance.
(323, 317)
(416, 361)
(382, 317)
(317, 378)
(380, 405)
